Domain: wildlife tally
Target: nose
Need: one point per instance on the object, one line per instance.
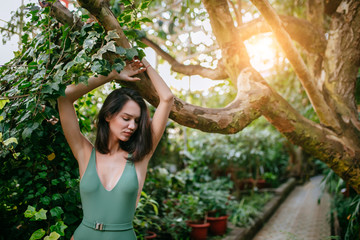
(132, 125)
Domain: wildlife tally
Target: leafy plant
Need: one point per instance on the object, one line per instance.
(345, 202)
(244, 212)
(146, 216)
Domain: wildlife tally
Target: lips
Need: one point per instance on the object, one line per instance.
(128, 133)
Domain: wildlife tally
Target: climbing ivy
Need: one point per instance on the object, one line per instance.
(39, 196)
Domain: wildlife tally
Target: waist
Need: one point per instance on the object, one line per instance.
(101, 226)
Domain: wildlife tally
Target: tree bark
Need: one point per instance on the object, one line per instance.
(340, 150)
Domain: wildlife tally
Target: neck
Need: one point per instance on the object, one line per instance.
(113, 145)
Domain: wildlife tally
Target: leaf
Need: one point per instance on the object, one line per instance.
(59, 227)
(56, 212)
(45, 200)
(83, 79)
(121, 51)
(40, 215)
(30, 212)
(54, 182)
(111, 35)
(126, 2)
(131, 53)
(26, 133)
(69, 65)
(109, 47)
(144, 5)
(38, 234)
(118, 67)
(56, 196)
(52, 236)
(59, 75)
(10, 140)
(145, 19)
(89, 43)
(3, 102)
(51, 156)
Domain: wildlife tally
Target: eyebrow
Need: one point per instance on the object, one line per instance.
(130, 115)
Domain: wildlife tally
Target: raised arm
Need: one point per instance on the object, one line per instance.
(79, 145)
(166, 97)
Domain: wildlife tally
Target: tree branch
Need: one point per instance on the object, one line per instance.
(302, 31)
(331, 6)
(342, 62)
(215, 74)
(325, 114)
(337, 152)
(64, 16)
(230, 119)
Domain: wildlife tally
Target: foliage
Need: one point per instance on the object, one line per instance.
(216, 196)
(345, 203)
(251, 153)
(39, 175)
(244, 212)
(146, 216)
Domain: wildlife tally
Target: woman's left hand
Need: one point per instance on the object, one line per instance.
(132, 68)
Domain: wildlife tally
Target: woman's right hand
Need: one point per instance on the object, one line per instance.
(132, 68)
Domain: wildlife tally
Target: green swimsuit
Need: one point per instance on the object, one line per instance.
(108, 215)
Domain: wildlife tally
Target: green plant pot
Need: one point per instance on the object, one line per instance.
(218, 225)
(198, 230)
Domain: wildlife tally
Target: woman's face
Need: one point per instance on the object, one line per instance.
(123, 124)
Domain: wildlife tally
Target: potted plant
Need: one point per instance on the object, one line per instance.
(194, 210)
(216, 196)
(146, 217)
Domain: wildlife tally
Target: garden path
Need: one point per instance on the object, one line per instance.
(300, 217)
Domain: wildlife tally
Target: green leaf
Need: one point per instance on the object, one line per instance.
(111, 35)
(131, 53)
(26, 133)
(3, 102)
(83, 79)
(59, 75)
(38, 234)
(56, 197)
(40, 215)
(45, 200)
(127, 18)
(56, 212)
(30, 212)
(118, 67)
(59, 227)
(42, 189)
(121, 51)
(52, 236)
(69, 65)
(144, 5)
(89, 43)
(10, 140)
(79, 58)
(109, 47)
(126, 2)
(141, 54)
(54, 182)
(145, 19)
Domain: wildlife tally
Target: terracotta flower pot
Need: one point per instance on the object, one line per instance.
(218, 225)
(151, 235)
(198, 230)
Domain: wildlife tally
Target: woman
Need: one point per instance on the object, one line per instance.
(113, 173)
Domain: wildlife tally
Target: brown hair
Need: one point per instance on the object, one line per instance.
(140, 143)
